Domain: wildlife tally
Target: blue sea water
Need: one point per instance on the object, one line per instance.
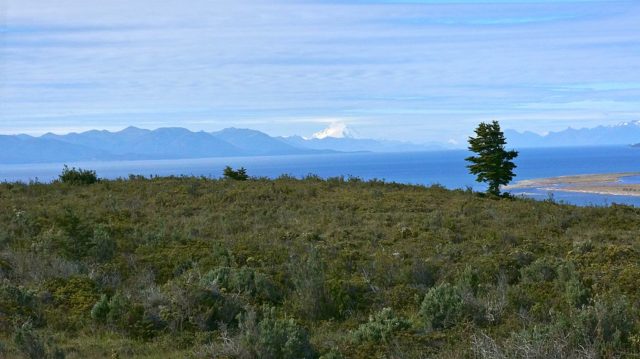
(447, 168)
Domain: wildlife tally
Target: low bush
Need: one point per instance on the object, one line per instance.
(272, 337)
(442, 307)
(18, 304)
(311, 297)
(380, 327)
(77, 176)
(119, 312)
(257, 286)
(239, 175)
(33, 346)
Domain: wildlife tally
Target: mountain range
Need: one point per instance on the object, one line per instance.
(625, 133)
(134, 143)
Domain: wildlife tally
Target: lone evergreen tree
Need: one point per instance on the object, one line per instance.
(493, 164)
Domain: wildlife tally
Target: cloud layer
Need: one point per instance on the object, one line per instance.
(415, 70)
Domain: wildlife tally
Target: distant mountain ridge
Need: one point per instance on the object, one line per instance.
(625, 133)
(134, 143)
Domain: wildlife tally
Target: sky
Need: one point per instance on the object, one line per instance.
(415, 70)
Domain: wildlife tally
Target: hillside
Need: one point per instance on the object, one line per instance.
(190, 267)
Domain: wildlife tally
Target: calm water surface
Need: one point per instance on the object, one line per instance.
(447, 168)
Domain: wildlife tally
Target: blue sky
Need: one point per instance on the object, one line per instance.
(418, 70)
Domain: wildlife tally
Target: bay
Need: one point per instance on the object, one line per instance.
(447, 168)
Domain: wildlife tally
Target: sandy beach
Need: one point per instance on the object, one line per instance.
(608, 184)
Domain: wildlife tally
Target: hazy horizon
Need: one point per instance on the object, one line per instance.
(333, 130)
(419, 70)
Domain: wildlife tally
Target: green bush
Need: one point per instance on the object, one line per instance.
(608, 322)
(442, 307)
(77, 176)
(311, 296)
(575, 292)
(273, 337)
(239, 175)
(121, 313)
(193, 304)
(102, 246)
(601, 330)
(33, 346)
(243, 280)
(541, 270)
(17, 303)
(100, 310)
(380, 327)
(75, 296)
(76, 240)
(28, 342)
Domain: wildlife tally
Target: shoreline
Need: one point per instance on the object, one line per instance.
(600, 184)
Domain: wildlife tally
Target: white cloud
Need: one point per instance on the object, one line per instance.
(413, 71)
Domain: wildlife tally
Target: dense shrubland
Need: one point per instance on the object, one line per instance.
(286, 268)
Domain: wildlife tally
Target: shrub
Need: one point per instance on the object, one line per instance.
(542, 270)
(16, 302)
(380, 327)
(33, 346)
(239, 175)
(28, 342)
(121, 313)
(575, 292)
(100, 310)
(75, 296)
(311, 297)
(103, 247)
(244, 280)
(273, 337)
(601, 330)
(334, 353)
(442, 307)
(468, 281)
(77, 176)
(609, 323)
(76, 241)
(196, 305)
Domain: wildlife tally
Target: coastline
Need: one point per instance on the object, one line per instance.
(602, 184)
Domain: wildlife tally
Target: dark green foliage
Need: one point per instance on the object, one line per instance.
(101, 309)
(493, 164)
(77, 176)
(239, 175)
